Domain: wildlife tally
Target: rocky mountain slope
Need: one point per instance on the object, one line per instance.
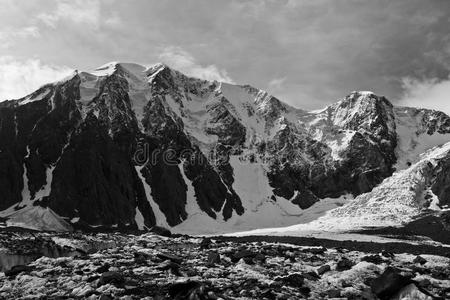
(130, 146)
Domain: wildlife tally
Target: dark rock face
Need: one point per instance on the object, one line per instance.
(95, 179)
(441, 185)
(370, 156)
(88, 150)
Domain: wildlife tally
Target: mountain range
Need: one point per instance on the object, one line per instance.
(128, 146)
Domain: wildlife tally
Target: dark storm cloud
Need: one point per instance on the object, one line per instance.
(308, 53)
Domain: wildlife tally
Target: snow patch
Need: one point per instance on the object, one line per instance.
(37, 97)
(38, 218)
(106, 69)
(139, 219)
(46, 188)
(339, 143)
(159, 215)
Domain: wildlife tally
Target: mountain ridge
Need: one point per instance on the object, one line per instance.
(71, 146)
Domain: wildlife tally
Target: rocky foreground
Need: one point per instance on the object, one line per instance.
(148, 266)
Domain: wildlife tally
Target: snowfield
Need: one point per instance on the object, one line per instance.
(252, 185)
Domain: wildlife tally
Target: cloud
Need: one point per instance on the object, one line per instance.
(88, 12)
(428, 93)
(276, 84)
(183, 61)
(10, 35)
(19, 78)
(114, 20)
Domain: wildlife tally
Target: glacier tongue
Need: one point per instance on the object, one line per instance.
(397, 200)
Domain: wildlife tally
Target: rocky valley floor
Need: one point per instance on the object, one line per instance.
(147, 266)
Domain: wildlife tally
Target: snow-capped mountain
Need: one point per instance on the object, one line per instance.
(127, 145)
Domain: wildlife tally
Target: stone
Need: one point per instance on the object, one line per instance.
(171, 257)
(344, 264)
(16, 270)
(260, 258)
(242, 254)
(182, 290)
(213, 258)
(311, 276)
(162, 231)
(419, 260)
(334, 293)
(140, 258)
(412, 292)
(389, 283)
(268, 294)
(168, 265)
(323, 269)
(316, 251)
(111, 277)
(387, 254)
(424, 283)
(205, 243)
(375, 259)
(295, 279)
(102, 269)
(248, 260)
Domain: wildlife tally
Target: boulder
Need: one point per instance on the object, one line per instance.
(295, 280)
(103, 268)
(16, 270)
(419, 260)
(111, 277)
(411, 292)
(375, 259)
(171, 257)
(205, 243)
(344, 264)
(389, 283)
(311, 276)
(184, 290)
(162, 231)
(323, 269)
(245, 253)
(213, 258)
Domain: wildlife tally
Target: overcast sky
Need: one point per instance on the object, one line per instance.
(307, 53)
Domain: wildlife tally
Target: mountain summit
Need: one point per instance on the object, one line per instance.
(133, 146)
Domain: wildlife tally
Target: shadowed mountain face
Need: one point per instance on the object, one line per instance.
(127, 145)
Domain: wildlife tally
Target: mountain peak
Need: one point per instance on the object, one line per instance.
(363, 93)
(264, 150)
